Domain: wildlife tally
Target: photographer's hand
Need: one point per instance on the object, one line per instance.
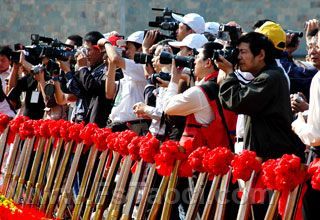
(162, 83)
(311, 27)
(24, 63)
(149, 40)
(139, 109)
(82, 60)
(298, 103)
(176, 74)
(289, 38)
(64, 66)
(224, 65)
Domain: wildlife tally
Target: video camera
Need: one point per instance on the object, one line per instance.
(43, 47)
(295, 39)
(165, 22)
(231, 52)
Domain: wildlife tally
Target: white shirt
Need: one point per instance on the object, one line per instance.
(4, 106)
(130, 92)
(155, 113)
(191, 101)
(309, 132)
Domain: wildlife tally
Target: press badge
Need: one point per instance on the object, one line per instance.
(35, 97)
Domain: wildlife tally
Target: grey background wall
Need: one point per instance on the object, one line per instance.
(60, 18)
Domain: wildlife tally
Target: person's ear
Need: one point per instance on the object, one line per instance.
(208, 63)
(262, 55)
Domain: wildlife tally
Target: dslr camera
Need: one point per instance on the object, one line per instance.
(143, 58)
(181, 61)
(161, 75)
(231, 52)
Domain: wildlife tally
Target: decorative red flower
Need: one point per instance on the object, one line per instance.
(112, 141)
(4, 121)
(217, 161)
(100, 138)
(64, 130)
(54, 128)
(196, 157)
(14, 127)
(314, 172)
(283, 174)
(244, 164)
(315, 180)
(87, 132)
(124, 139)
(165, 159)
(149, 148)
(16, 122)
(134, 147)
(74, 132)
(185, 170)
(26, 129)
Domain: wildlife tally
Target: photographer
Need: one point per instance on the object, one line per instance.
(300, 75)
(129, 89)
(265, 100)
(5, 106)
(33, 102)
(159, 84)
(190, 23)
(88, 83)
(198, 103)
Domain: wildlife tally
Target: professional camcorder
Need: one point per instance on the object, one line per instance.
(165, 22)
(43, 47)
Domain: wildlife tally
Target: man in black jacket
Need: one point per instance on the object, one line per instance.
(88, 83)
(265, 100)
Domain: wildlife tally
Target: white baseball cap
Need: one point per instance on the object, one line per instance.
(193, 41)
(212, 28)
(193, 20)
(136, 37)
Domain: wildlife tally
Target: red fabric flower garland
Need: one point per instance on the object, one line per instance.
(26, 129)
(195, 159)
(165, 159)
(217, 161)
(87, 133)
(149, 148)
(314, 172)
(14, 127)
(134, 147)
(283, 174)
(100, 138)
(4, 121)
(244, 164)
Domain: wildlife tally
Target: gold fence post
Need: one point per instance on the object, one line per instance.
(67, 189)
(39, 184)
(47, 188)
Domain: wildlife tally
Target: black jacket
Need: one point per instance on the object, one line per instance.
(94, 85)
(265, 102)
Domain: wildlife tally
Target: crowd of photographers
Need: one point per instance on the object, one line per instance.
(202, 84)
